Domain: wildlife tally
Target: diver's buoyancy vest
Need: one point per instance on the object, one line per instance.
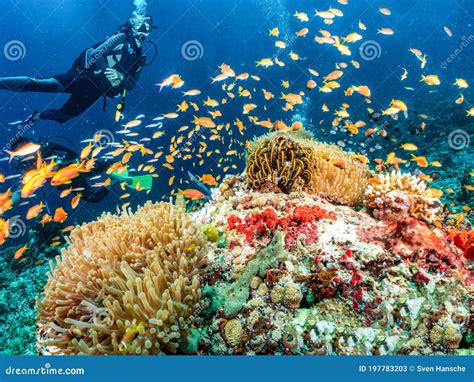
(130, 62)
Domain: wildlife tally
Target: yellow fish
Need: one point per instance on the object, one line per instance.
(409, 147)
(431, 79)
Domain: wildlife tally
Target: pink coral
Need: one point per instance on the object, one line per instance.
(306, 233)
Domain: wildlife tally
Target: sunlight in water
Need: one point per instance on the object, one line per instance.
(277, 12)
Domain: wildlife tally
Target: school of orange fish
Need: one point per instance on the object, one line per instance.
(206, 123)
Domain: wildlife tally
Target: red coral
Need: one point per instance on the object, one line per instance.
(255, 225)
(233, 222)
(356, 278)
(298, 224)
(308, 214)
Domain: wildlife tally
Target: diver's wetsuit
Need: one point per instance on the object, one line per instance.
(86, 80)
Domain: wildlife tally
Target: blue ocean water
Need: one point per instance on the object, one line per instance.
(195, 37)
(236, 33)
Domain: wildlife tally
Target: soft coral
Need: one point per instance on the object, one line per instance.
(299, 223)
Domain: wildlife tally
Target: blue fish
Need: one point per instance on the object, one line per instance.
(199, 184)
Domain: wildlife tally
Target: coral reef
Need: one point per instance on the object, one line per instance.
(127, 284)
(287, 271)
(393, 196)
(294, 161)
(347, 283)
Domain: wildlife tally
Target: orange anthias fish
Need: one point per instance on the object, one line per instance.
(33, 181)
(4, 230)
(20, 252)
(297, 125)
(34, 211)
(336, 74)
(209, 180)
(86, 151)
(75, 201)
(66, 174)
(68, 229)
(392, 159)
(46, 219)
(204, 122)
(409, 147)
(374, 181)
(364, 91)
(192, 194)
(267, 124)
(131, 124)
(420, 161)
(5, 201)
(25, 150)
(60, 215)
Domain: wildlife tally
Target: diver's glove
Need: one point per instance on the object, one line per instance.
(34, 117)
(114, 76)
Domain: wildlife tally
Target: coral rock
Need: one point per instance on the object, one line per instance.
(393, 196)
(233, 332)
(412, 239)
(292, 297)
(277, 294)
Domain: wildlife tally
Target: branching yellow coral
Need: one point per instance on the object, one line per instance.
(294, 161)
(127, 284)
(397, 194)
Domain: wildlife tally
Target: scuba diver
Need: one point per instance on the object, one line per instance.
(106, 69)
(83, 183)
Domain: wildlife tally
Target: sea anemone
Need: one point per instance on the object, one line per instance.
(127, 284)
(294, 161)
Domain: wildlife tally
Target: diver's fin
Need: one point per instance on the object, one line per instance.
(34, 117)
(144, 182)
(16, 123)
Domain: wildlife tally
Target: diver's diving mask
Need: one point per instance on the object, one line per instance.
(141, 31)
